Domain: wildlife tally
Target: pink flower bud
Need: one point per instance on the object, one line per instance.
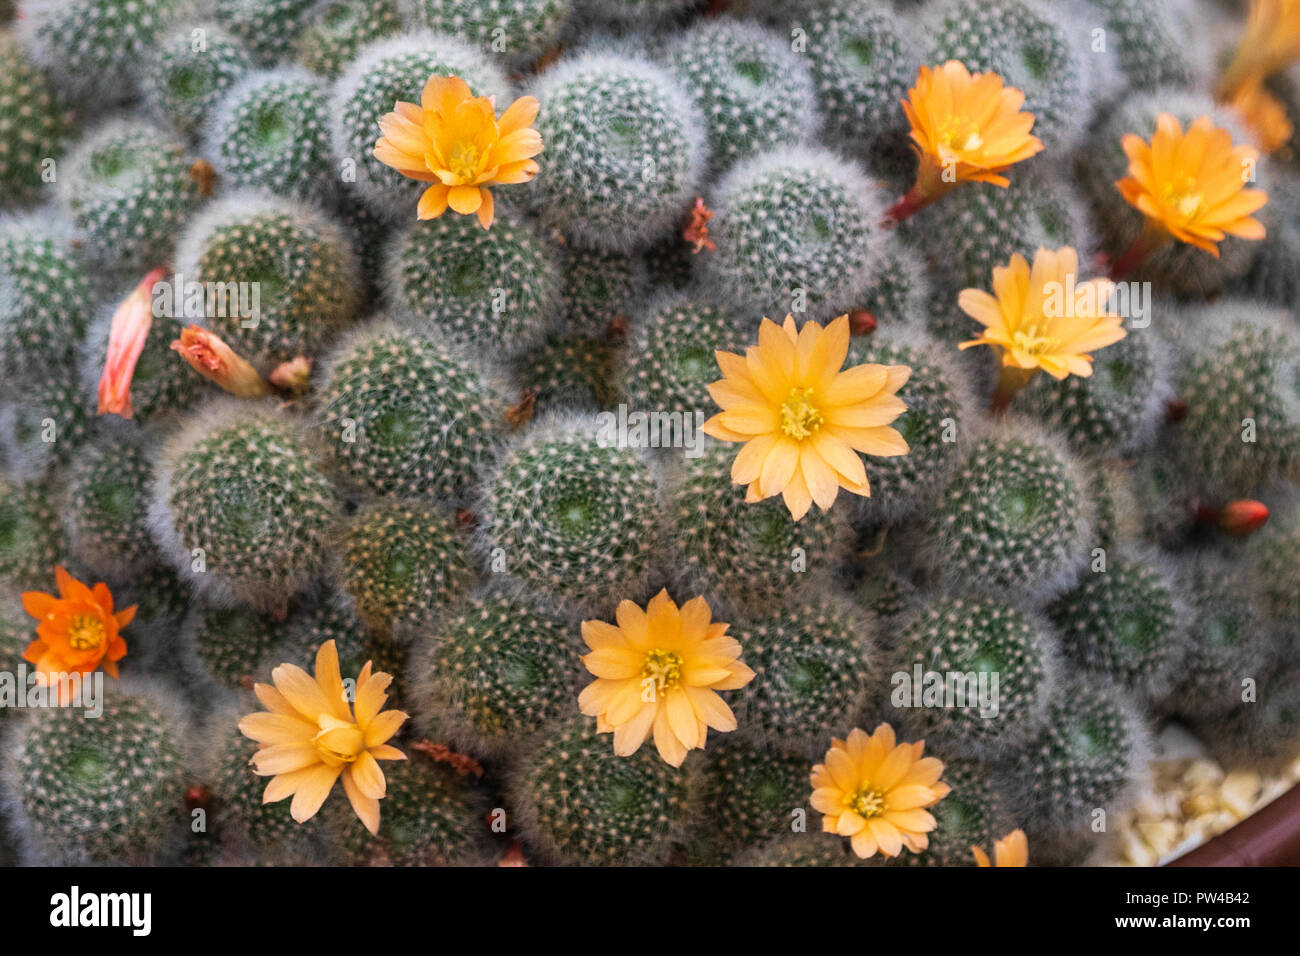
(214, 359)
(131, 324)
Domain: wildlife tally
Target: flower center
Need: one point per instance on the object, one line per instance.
(1183, 197)
(664, 667)
(959, 134)
(463, 160)
(1030, 338)
(85, 632)
(799, 416)
(341, 745)
(867, 802)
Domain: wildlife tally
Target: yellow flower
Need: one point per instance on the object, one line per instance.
(310, 737)
(801, 418)
(455, 141)
(1045, 318)
(1011, 850)
(965, 128)
(660, 670)
(1265, 115)
(875, 791)
(1270, 42)
(1193, 186)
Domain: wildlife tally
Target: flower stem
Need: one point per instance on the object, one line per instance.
(1010, 380)
(906, 206)
(1151, 238)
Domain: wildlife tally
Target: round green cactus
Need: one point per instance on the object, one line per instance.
(287, 272)
(1274, 570)
(46, 290)
(968, 816)
(1151, 43)
(971, 637)
(402, 415)
(570, 373)
(242, 506)
(519, 30)
(107, 508)
(624, 153)
(799, 849)
(598, 287)
(46, 425)
(31, 539)
(573, 515)
(106, 788)
(127, 186)
(476, 286)
(754, 93)
(34, 124)
(310, 627)
(232, 642)
(749, 553)
(1014, 516)
(268, 27)
(271, 131)
(670, 362)
(753, 793)
(190, 71)
(900, 292)
(796, 231)
(403, 561)
(384, 73)
(339, 29)
(813, 662)
(579, 803)
(493, 671)
(1123, 622)
(1262, 735)
(938, 410)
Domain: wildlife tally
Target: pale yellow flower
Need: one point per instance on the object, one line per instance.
(1011, 850)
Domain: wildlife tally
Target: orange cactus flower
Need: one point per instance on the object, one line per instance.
(1191, 186)
(1270, 43)
(130, 329)
(1265, 115)
(212, 358)
(1011, 850)
(965, 128)
(78, 631)
(455, 141)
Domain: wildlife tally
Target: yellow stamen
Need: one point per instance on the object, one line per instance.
(1030, 338)
(85, 633)
(665, 667)
(799, 416)
(464, 161)
(867, 802)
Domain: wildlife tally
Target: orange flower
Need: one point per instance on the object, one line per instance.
(1193, 186)
(1265, 115)
(214, 359)
(1011, 850)
(455, 141)
(965, 128)
(310, 737)
(1270, 42)
(130, 329)
(78, 630)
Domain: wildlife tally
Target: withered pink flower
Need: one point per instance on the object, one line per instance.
(214, 359)
(292, 375)
(131, 324)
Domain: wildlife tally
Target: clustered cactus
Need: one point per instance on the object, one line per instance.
(508, 440)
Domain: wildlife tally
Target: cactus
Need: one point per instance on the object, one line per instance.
(98, 789)
(1032, 53)
(292, 267)
(799, 849)
(575, 801)
(899, 294)
(813, 662)
(268, 27)
(271, 131)
(625, 148)
(796, 231)
(494, 671)
(573, 515)
(1262, 735)
(753, 92)
(95, 49)
(44, 426)
(1087, 756)
(753, 793)
(938, 410)
(474, 286)
(749, 554)
(403, 561)
(968, 816)
(190, 71)
(402, 415)
(241, 507)
(521, 30)
(670, 362)
(45, 290)
(336, 620)
(383, 73)
(1151, 40)
(631, 12)
(1274, 561)
(430, 817)
(34, 125)
(1243, 413)
(598, 287)
(339, 29)
(861, 66)
(1114, 409)
(108, 491)
(1014, 516)
(231, 643)
(31, 540)
(572, 372)
(974, 636)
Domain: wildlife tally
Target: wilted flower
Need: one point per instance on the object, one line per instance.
(126, 338)
(214, 359)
